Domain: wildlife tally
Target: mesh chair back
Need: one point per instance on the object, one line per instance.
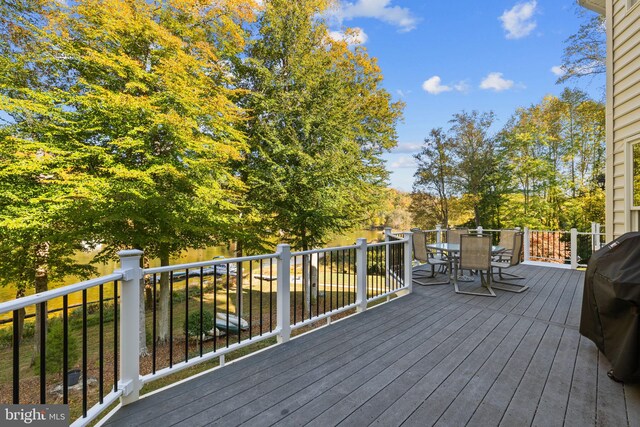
(420, 245)
(453, 235)
(475, 252)
(517, 248)
(506, 239)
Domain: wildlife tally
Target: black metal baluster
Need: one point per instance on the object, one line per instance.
(16, 358)
(43, 351)
(343, 260)
(261, 307)
(331, 279)
(171, 319)
(324, 281)
(378, 285)
(215, 306)
(250, 299)
(65, 350)
(239, 293)
(397, 252)
(270, 295)
(227, 307)
(201, 307)
(401, 263)
(84, 353)
(309, 279)
(100, 346)
(318, 284)
(367, 269)
(115, 335)
(302, 284)
(154, 331)
(186, 315)
(295, 292)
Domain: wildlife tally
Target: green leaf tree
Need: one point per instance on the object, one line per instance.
(435, 174)
(46, 185)
(320, 121)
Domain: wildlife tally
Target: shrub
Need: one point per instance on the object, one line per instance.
(55, 350)
(193, 325)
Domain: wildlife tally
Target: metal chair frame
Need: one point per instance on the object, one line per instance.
(426, 258)
(513, 260)
(475, 254)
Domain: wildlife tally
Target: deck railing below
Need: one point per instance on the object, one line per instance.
(209, 309)
(571, 248)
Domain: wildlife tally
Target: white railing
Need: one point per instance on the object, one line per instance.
(359, 274)
(554, 248)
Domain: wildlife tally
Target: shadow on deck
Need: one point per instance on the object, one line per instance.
(430, 358)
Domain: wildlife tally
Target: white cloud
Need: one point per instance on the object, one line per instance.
(462, 86)
(434, 86)
(353, 36)
(558, 70)
(518, 21)
(495, 81)
(378, 9)
(404, 162)
(407, 148)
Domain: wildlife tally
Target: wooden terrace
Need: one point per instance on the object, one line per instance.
(429, 358)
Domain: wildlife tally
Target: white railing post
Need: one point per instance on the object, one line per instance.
(479, 229)
(574, 248)
(598, 236)
(129, 381)
(387, 253)
(527, 245)
(408, 260)
(284, 292)
(438, 233)
(361, 272)
(593, 237)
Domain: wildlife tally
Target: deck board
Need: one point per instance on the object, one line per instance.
(430, 358)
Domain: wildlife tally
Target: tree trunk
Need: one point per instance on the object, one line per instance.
(41, 284)
(165, 295)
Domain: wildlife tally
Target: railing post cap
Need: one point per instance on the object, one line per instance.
(130, 253)
(283, 247)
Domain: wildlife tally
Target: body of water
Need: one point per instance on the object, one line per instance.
(8, 293)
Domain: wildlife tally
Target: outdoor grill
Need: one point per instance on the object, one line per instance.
(610, 307)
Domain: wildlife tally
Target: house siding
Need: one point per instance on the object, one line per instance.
(623, 114)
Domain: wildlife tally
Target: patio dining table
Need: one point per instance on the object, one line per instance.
(453, 249)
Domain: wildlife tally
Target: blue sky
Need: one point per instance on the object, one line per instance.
(441, 57)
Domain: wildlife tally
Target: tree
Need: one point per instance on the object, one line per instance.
(46, 189)
(585, 52)
(319, 124)
(435, 174)
(474, 154)
(137, 97)
(153, 91)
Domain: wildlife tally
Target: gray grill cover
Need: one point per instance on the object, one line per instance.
(610, 306)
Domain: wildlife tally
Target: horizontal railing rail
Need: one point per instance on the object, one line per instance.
(145, 324)
(62, 349)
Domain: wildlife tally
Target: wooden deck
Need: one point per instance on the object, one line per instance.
(430, 358)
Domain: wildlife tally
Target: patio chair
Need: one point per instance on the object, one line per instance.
(475, 254)
(453, 234)
(506, 241)
(508, 262)
(426, 258)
